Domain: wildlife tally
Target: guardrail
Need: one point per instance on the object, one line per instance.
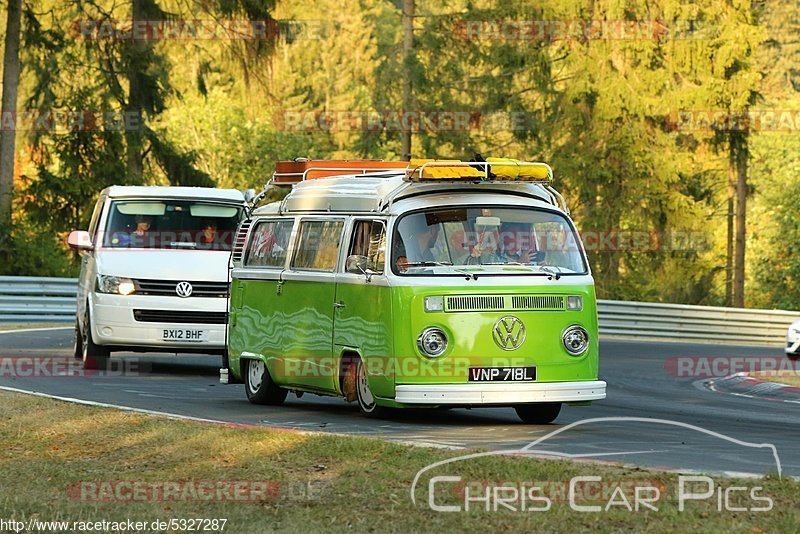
(26, 299)
(29, 299)
(680, 322)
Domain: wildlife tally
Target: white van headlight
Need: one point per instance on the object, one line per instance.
(115, 284)
(576, 340)
(432, 342)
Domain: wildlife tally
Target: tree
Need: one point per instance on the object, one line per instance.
(8, 132)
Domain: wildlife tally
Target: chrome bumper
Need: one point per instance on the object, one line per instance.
(503, 393)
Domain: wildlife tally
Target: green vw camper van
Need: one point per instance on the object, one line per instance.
(443, 284)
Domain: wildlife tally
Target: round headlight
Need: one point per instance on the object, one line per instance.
(576, 340)
(432, 342)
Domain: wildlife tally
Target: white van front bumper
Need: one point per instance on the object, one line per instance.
(158, 322)
(502, 393)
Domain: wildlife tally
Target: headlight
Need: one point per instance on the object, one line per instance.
(576, 340)
(432, 342)
(115, 284)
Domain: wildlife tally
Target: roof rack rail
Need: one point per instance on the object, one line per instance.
(301, 170)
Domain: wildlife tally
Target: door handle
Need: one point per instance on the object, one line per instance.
(339, 305)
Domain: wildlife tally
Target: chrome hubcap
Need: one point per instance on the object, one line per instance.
(255, 374)
(364, 394)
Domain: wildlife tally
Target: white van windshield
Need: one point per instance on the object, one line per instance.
(497, 240)
(189, 224)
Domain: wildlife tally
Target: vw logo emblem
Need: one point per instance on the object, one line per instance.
(183, 289)
(508, 333)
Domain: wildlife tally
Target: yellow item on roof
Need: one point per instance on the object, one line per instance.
(500, 169)
(441, 169)
(517, 170)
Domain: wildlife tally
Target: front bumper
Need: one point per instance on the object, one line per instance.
(113, 323)
(506, 393)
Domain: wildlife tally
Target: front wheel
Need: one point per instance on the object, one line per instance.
(538, 414)
(95, 357)
(364, 396)
(259, 385)
(77, 345)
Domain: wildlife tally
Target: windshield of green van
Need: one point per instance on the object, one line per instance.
(497, 240)
(177, 224)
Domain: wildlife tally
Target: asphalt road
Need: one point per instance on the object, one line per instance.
(640, 385)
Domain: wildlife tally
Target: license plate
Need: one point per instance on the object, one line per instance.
(187, 335)
(502, 374)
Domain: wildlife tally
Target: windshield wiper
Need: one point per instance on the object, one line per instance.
(467, 274)
(546, 269)
(428, 264)
(552, 273)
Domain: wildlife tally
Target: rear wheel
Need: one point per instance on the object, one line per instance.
(364, 396)
(538, 414)
(259, 385)
(94, 356)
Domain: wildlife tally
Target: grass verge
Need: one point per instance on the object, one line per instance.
(6, 327)
(62, 461)
(788, 377)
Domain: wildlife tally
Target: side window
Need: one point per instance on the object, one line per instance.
(269, 242)
(369, 239)
(318, 245)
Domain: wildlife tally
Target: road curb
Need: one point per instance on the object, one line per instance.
(744, 385)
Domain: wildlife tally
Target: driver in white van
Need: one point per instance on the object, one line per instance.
(124, 239)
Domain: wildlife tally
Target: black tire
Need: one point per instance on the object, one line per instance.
(259, 386)
(77, 345)
(364, 397)
(538, 414)
(95, 357)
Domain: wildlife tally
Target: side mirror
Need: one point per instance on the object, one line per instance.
(80, 240)
(356, 264)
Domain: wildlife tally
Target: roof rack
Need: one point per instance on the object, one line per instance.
(301, 169)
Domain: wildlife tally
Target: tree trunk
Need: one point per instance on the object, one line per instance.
(730, 218)
(9, 109)
(742, 156)
(134, 138)
(408, 50)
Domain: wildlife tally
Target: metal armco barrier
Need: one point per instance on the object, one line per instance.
(680, 322)
(26, 299)
(29, 299)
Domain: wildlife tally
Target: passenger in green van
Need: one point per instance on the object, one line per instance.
(421, 237)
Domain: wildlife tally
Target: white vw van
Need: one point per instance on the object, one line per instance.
(154, 271)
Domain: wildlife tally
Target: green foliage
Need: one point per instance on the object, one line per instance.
(601, 111)
(30, 249)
